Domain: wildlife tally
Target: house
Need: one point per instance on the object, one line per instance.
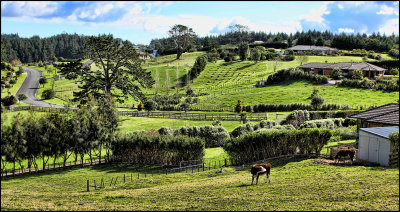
(311, 49)
(374, 127)
(369, 70)
(382, 116)
(374, 146)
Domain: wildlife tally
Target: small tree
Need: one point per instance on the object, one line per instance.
(256, 55)
(243, 117)
(239, 107)
(302, 58)
(317, 101)
(243, 50)
(48, 94)
(150, 105)
(357, 74)
(140, 106)
(43, 80)
(185, 107)
(21, 97)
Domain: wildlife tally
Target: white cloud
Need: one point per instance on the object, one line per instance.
(346, 30)
(315, 15)
(391, 26)
(28, 8)
(340, 6)
(385, 10)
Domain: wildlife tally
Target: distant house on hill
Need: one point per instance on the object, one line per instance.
(310, 49)
(369, 70)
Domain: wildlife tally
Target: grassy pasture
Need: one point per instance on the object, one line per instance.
(296, 184)
(298, 92)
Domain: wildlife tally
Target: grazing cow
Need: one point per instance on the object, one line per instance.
(343, 153)
(259, 169)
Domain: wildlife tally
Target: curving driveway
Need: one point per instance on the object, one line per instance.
(30, 87)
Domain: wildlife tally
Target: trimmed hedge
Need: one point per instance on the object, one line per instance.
(140, 148)
(214, 136)
(271, 143)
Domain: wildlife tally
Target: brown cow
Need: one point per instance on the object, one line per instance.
(343, 153)
(259, 169)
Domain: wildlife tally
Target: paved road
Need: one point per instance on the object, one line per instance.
(30, 87)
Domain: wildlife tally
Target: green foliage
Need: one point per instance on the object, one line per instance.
(9, 100)
(48, 94)
(183, 37)
(243, 51)
(239, 107)
(198, 67)
(297, 118)
(294, 74)
(394, 53)
(21, 97)
(140, 106)
(150, 105)
(394, 140)
(357, 74)
(141, 148)
(317, 101)
(43, 80)
(336, 73)
(271, 143)
(121, 72)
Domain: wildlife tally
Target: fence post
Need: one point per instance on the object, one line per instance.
(87, 185)
(124, 178)
(225, 162)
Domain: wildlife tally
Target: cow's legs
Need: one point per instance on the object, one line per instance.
(252, 179)
(257, 179)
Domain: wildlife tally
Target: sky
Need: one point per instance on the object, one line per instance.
(142, 21)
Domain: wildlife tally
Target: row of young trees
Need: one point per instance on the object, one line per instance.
(87, 130)
(271, 143)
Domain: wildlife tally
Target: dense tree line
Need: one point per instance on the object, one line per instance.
(375, 41)
(37, 49)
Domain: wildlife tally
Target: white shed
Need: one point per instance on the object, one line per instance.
(374, 144)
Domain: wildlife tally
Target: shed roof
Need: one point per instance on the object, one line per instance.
(344, 66)
(385, 114)
(310, 48)
(381, 131)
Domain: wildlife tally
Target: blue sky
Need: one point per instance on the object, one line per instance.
(139, 22)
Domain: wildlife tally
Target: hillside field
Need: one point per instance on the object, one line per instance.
(296, 184)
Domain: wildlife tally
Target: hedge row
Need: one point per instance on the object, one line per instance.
(264, 124)
(214, 136)
(271, 143)
(295, 106)
(295, 74)
(328, 123)
(386, 85)
(140, 148)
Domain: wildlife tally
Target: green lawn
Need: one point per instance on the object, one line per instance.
(296, 184)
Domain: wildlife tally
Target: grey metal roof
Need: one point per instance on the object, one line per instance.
(386, 114)
(310, 48)
(381, 131)
(344, 66)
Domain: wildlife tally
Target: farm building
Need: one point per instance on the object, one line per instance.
(369, 70)
(374, 146)
(309, 50)
(382, 116)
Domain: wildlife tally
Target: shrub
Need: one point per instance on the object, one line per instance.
(150, 105)
(297, 117)
(166, 131)
(239, 107)
(336, 73)
(12, 81)
(227, 59)
(48, 94)
(22, 97)
(317, 101)
(140, 106)
(9, 100)
(357, 74)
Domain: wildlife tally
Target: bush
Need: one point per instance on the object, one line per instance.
(214, 136)
(317, 101)
(271, 143)
(150, 105)
(336, 73)
(12, 81)
(9, 100)
(227, 59)
(22, 97)
(394, 53)
(48, 94)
